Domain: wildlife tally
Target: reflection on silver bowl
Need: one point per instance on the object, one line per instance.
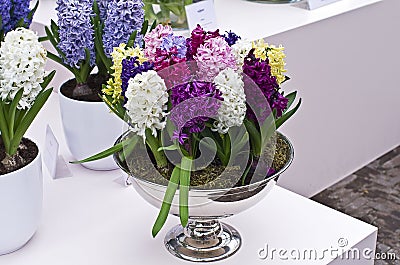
(205, 238)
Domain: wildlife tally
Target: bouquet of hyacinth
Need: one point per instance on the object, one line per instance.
(86, 33)
(23, 92)
(176, 94)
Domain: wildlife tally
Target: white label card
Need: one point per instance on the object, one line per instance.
(54, 162)
(313, 4)
(202, 13)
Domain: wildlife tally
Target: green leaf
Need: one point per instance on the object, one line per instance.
(131, 40)
(153, 26)
(144, 27)
(32, 12)
(12, 110)
(287, 115)
(166, 205)
(184, 183)
(29, 117)
(110, 151)
(47, 79)
(291, 97)
(255, 137)
(54, 29)
(120, 112)
(4, 128)
(168, 148)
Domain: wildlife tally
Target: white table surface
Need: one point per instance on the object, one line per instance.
(91, 219)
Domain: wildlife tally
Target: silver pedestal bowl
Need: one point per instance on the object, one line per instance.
(206, 238)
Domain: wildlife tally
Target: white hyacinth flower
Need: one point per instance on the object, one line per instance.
(233, 109)
(241, 49)
(146, 103)
(22, 61)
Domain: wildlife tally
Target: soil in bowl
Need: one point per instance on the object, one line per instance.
(95, 82)
(26, 153)
(214, 176)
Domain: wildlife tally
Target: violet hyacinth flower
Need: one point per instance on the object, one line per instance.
(193, 104)
(259, 71)
(20, 11)
(75, 30)
(130, 68)
(178, 42)
(231, 38)
(103, 5)
(123, 18)
(5, 15)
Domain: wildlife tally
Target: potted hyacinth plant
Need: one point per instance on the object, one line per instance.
(23, 93)
(83, 38)
(202, 141)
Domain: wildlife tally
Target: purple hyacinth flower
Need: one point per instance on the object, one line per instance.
(75, 31)
(194, 103)
(123, 18)
(5, 15)
(178, 42)
(231, 38)
(20, 11)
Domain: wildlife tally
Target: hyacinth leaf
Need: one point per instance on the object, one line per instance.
(166, 205)
(32, 12)
(54, 29)
(144, 27)
(184, 182)
(287, 115)
(255, 137)
(27, 120)
(103, 154)
(12, 111)
(57, 59)
(168, 148)
(129, 147)
(47, 79)
(117, 109)
(153, 26)
(246, 171)
(291, 97)
(153, 143)
(267, 129)
(131, 40)
(85, 67)
(187, 2)
(4, 127)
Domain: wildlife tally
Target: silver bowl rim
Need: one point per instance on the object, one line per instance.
(231, 190)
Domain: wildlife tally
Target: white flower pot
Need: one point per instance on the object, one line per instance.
(21, 196)
(89, 128)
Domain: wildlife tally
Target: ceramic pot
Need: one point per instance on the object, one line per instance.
(21, 196)
(89, 128)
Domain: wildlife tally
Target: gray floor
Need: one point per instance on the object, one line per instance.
(372, 194)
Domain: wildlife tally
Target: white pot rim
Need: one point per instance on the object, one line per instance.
(33, 162)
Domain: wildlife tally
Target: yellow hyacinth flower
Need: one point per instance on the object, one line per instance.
(276, 57)
(113, 86)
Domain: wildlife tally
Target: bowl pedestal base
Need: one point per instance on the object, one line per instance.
(203, 240)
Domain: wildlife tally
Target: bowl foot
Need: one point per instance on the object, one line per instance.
(203, 241)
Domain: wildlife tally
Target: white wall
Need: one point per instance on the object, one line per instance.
(347, 70)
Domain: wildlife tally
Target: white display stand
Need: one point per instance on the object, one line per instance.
(90, 218)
